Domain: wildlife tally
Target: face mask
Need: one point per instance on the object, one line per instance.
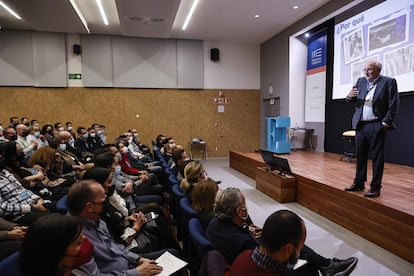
(50, 131)
(61, 129)
(100, 132)
(72, 142)
(27, 124)
(69, 128)
(1, 128)
(36, 133)
(117, 169)
(2, 138)
(126, 144)
(119, 155)
(111, 191)
(62, 147)
(85, 136)
(25, 133)
(135, 135)
(15, 125)
(85, 253)
(93, 135)
(13, 138)
(292, 259)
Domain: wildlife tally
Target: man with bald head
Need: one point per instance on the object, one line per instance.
(28, 147)
(377, 102)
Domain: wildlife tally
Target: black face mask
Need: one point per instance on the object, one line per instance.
(15, 125)
(27, 124)
(126, 144)
(13, 138)
(50, 131)
(25, 133)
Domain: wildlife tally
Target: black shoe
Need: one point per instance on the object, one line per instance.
(340, 267)
(355, 188)
(372, 193)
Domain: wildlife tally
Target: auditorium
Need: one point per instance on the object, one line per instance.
(298, 105)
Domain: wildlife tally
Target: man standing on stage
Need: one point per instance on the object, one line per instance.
(377, 102)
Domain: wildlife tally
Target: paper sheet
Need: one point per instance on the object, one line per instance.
(169, 264)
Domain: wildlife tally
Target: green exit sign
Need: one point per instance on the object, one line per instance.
(75, 76)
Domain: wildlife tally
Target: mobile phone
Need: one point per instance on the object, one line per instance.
(150, 216)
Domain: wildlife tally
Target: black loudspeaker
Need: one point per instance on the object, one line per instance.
(214, 54)
(77, 50)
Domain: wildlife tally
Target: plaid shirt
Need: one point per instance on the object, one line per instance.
(15, 200)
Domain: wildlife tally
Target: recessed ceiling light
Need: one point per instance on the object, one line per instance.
(295, 7)
(256, 16)
(307, 35)
(187, 20)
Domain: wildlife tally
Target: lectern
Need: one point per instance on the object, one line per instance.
(276, 134)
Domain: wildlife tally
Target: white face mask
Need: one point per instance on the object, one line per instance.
(61, 129)
(93, 135)
(62, 147)
(36, 133)
(125, 150)
(69, 128)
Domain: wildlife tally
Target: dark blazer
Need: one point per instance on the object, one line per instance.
(385, 101)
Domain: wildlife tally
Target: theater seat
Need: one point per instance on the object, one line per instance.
(10, 266)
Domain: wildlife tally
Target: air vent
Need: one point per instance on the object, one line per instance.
(146, 20)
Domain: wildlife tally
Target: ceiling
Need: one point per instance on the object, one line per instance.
(229, 21)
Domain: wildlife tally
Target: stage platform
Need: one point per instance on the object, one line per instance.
(387, 221)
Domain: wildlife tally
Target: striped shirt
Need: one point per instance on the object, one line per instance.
(15, 200)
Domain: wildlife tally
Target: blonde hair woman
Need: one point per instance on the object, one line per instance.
(193, 173)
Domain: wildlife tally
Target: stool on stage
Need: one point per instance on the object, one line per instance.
(349, 135)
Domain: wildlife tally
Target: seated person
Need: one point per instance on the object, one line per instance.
(55, 245)
(46, 167)
(85, 201)
(11, 236)
(180, 160)
(203, 199)
(47, 132)
(283, 237)
(36, 136)
(82, 143)
(28, 147)
(231, 238)
(18, 204)
(193, 173)
(131, 228)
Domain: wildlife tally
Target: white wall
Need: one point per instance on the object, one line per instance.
(74, 62)
(238, 67)
(297, 81)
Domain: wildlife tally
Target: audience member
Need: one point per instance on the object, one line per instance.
(47, 131)
(193, 173)
(17, 203)
(14, 121)
(28, 147)
(85, 201)
(55, 245)
(10, 134)
(231, 238)
(283, 237)
(37, 137)
(203, 199)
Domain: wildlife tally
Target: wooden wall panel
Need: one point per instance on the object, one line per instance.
(183, 114)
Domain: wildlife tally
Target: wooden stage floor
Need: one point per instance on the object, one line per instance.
(321, 178)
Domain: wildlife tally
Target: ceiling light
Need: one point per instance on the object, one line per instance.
(295, 7)
(102, 11)
(187, 20)
(307, 35)
(12, 12)
(256, 16)
(79, 13)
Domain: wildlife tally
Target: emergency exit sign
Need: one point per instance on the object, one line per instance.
(75, 76)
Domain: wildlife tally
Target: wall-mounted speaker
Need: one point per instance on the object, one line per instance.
(77, 50)
(214, 54)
